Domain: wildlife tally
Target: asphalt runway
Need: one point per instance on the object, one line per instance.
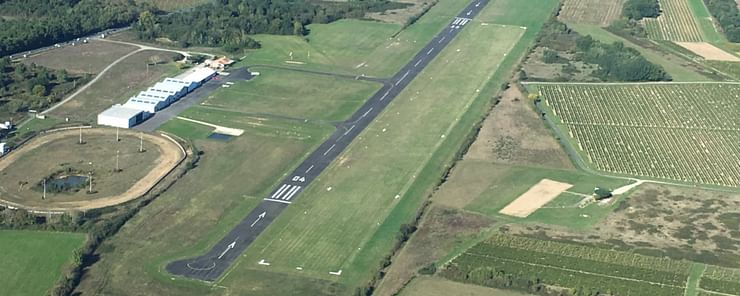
(215, 262)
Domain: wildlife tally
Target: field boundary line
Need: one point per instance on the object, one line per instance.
(578, 271)
(649, 127)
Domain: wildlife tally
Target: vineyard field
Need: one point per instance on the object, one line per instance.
(722, 280)
(593, 12)
(511, 258)
(675, 23)
(670, 131)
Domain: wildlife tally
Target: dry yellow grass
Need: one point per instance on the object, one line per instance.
(536, 197)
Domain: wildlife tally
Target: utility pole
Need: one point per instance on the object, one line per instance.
(141, 142)
(118, 169)
(80, 135)
(44, 196)
(89, 177)
(118, 139)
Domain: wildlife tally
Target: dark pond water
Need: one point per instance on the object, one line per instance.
(68, 181)
(220, 137)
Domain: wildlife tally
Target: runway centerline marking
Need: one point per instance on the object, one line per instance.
(367, 112)
(330, 148)
(384, 95)
(430, 51)
(350, 129)
(404, 77)
(441, 39)
(419, 62)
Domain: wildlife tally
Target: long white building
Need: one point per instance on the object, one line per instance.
(154, 99)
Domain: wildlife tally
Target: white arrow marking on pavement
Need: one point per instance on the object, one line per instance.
(229, 247)
(469, 12)
(258, 218)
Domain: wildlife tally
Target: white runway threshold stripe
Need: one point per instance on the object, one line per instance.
(292, 192)
(280, 191)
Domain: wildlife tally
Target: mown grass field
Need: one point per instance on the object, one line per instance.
(91, 58)
(633, 129)
(486, 188)
(278, 92)
(355, 46)
(32, 261)
(203, 205)
(368, 182)
(116, 86)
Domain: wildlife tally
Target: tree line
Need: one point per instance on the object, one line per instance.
(618, 62)
(228, 23)
(727, 15)
(639, 9)
(26, 25)
(24, 87)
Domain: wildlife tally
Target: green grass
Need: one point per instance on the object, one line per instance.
(32, 261)
(695, 273)
(499, 185)
(355, 46)
(202, 206)
(676, 70)
(704, 20)
(37, 124)
(312, 233)
(186, 129)
(294, 94)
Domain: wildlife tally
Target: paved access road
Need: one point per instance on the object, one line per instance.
(211, 265)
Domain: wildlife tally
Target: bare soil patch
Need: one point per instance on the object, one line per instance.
(709, 51)
(665, 220)
(441, 229)
(536, 197)
(90, 58)
(514, 134)
(595, 12)
(22, 169)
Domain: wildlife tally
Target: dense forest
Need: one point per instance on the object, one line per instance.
(639, 9)
(728, 17)
(228, 23)
(581, 58)
(25, 87)
(26, 25)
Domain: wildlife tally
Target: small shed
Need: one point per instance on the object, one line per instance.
(3, 148)
(602, 193)
(200, 75)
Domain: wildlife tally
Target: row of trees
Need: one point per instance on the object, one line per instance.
(618, 62)
(228, 23)
(639, 9)
(24, 87)
(728, 16)
(26, 25)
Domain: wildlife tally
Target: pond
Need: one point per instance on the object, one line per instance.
(220, 137)
(73, 181)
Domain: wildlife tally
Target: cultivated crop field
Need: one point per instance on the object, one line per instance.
(595, 12)
(675, 23)
(573, 266)
(721, 280)
(681, 132)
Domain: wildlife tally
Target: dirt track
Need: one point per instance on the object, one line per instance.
(171, 155)
(536, 197)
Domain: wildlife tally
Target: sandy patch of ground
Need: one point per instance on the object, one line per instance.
(536, 197)
(709, 51)
(171, 154)
(514, 134)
